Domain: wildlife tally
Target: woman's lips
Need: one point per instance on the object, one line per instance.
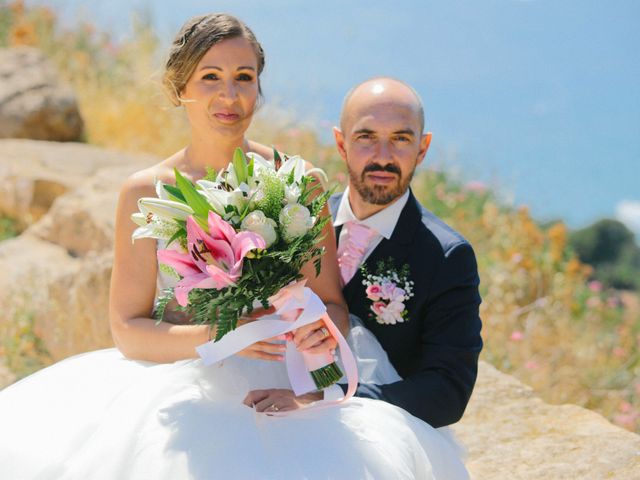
(226, 117)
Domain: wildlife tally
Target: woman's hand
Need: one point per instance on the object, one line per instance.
(265, 349)
(279, 400)
(314, 338)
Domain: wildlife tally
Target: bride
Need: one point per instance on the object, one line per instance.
(150, 408)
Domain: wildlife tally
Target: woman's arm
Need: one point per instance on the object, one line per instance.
(133, 286)
(328, 286)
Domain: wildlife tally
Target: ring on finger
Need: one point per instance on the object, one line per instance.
(274, 407)
(325, 332)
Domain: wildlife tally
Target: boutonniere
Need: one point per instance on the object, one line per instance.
(388, 289)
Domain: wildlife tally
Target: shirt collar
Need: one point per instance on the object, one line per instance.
(384, 222)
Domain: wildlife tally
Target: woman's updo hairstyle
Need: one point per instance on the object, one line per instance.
(194, 39)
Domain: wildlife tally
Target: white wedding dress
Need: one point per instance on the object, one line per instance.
(99, 416)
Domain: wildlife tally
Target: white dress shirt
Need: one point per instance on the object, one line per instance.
(383, 223)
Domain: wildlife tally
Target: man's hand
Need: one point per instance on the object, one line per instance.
(314, 338)
(279, 400)
(265, 349)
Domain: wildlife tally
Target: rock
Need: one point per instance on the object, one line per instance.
(512, 434)
(58, 271)
(30, 268)
(34, 173)
(82, 220)
(33, 102)
(66, 297)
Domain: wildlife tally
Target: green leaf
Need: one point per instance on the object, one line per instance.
(163, 299)
(307, 192)
(318, 264)
(181, 232)
(277, 160)
(211, 175)
(192, 197)
(250, 168)
(174, 193)
(246, 211)
(240, 165)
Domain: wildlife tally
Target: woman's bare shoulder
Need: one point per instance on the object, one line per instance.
(142, 182)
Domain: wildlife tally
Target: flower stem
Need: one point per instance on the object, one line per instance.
(326, 376)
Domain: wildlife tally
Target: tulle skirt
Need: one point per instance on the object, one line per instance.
(99, 415)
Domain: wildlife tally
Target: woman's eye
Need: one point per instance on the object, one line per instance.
(210, 76)
(244, 77)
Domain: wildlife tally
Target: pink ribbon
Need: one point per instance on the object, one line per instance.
(289, 301)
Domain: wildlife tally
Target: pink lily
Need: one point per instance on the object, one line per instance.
(214, 259)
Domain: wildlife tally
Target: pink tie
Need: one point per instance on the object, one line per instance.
(352, 248)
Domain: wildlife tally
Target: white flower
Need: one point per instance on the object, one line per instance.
(295, 220)
(298, 166)
(391, 314)
(160, 191)
(387, 318)
(164, 209)
(260, 163)
(228, 175)
(152, 227)
(257, 222)
(295, 164)
(396, 307)
(292, 193)
(218, 198)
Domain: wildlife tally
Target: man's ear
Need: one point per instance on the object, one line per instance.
(339, 137)
(425, 141)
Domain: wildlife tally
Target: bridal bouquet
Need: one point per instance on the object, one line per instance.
(237, 238)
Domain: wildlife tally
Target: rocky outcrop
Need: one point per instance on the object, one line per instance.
(33, 102)
(512, 434)
(57, 272)
(33, 174)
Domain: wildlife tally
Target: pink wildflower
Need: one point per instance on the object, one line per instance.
(595, 286)
(517, 336)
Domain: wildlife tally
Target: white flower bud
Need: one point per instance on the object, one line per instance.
(295, 220)
(291, 193)
(257, 222)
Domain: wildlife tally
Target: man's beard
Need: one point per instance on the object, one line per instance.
(379, 194)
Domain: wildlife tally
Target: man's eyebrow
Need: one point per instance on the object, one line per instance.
(405, 131)
(213, 67)
(363, 130)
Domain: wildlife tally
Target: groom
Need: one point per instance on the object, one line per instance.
(430, 328)
(418, 288)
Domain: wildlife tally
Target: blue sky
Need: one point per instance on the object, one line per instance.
(539, 97)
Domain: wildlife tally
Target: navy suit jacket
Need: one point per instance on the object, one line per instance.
(436, 349)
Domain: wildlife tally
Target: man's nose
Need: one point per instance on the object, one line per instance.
(384, 152)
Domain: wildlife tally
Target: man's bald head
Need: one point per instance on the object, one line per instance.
(380, 90)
